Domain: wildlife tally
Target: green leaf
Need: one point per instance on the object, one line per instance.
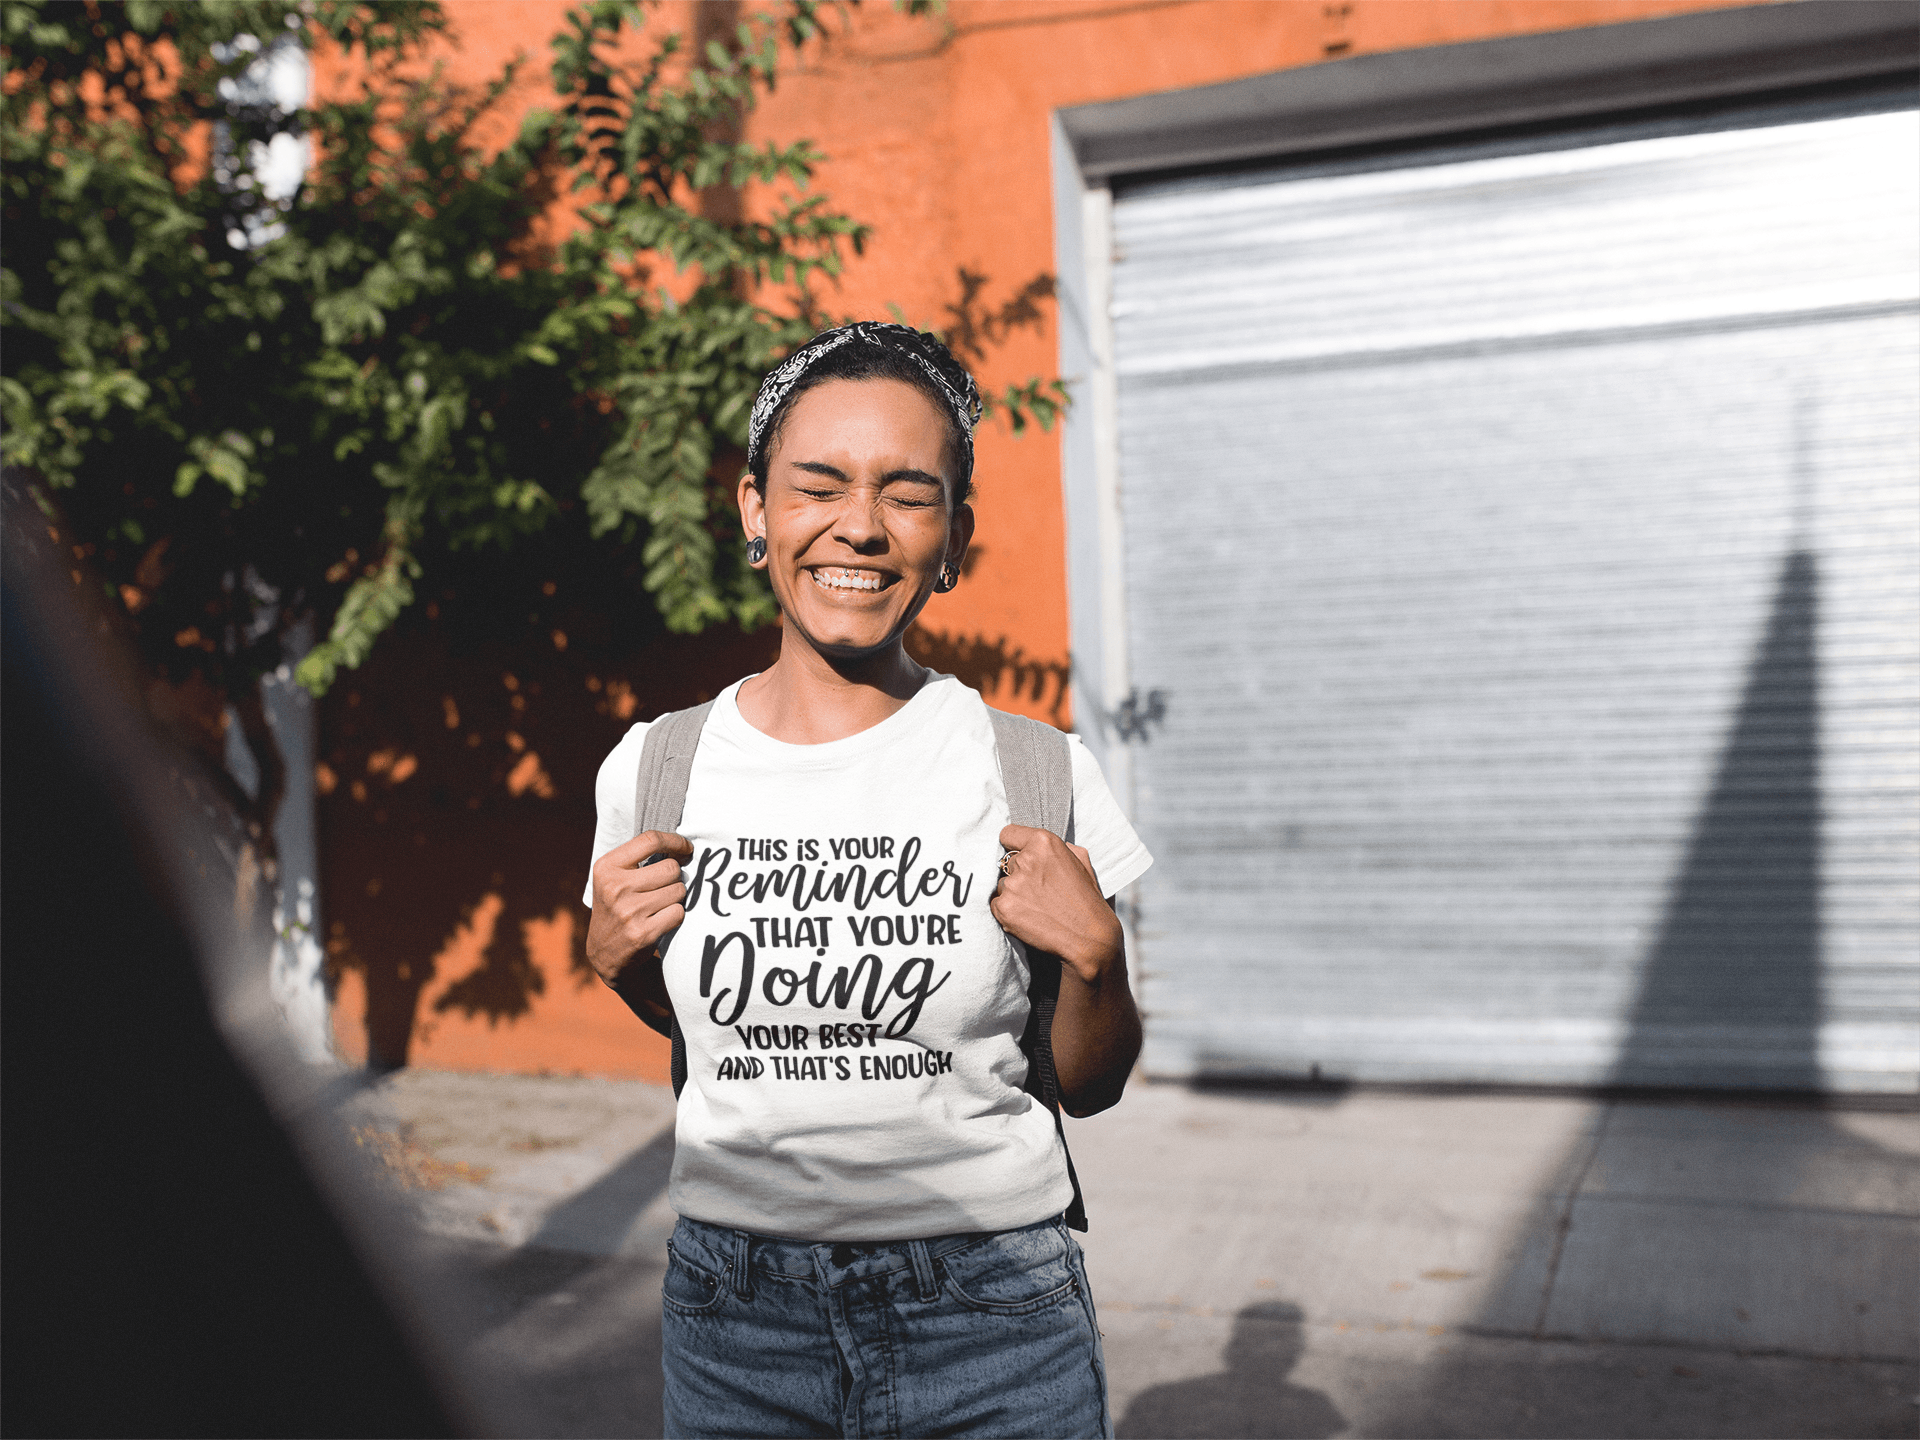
(411, 367)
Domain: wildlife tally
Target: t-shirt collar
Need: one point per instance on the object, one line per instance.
(903, 724)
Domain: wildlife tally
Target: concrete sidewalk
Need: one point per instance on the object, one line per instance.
(1374, 1263)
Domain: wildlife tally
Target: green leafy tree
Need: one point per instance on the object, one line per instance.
(258, 412)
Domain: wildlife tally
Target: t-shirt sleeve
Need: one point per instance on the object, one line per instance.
(1118, 857)
(613, 799)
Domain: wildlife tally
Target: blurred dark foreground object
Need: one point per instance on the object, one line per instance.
(190, 1245)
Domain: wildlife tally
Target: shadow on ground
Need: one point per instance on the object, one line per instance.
(576, 1338)
(599, 1217)
(1251, 1397)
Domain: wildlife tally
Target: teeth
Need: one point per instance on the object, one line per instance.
(846, 579)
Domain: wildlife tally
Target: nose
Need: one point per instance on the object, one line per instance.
(860, 525)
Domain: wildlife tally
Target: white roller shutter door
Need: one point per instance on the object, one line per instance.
(1528, 548)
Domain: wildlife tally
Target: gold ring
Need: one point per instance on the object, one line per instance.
(1006, 862)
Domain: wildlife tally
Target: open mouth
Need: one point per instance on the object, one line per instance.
(840, 580)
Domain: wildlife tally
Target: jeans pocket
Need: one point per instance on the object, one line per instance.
(1015, 1272)
(690, 1289)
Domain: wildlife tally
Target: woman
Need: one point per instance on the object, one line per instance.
(871, 1240)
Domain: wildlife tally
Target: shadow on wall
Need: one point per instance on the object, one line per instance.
(974, 329)
(1001, 672)
(457, 814)
(1251, 1397)
(1740, 943)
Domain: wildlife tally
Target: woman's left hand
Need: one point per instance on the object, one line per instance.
(1049, 898)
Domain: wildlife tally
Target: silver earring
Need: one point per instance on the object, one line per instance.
(949, 577)
(756, 550)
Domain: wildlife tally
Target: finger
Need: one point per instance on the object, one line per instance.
(1086, 860)
(635, 852)
(651, 876)
(666, 845)
(623, 856)
(652, 902)
(657, 926)
(1018, 837)
(612, 886)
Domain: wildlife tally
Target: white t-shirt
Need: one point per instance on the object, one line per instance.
(852, 1011)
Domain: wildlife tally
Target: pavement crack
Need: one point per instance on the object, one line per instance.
(1565, 1222)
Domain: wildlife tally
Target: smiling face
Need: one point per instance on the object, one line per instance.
(858, 513)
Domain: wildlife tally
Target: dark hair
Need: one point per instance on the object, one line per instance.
(877, 362)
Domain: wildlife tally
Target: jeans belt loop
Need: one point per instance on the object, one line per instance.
(742, 1280)
(923, 1270)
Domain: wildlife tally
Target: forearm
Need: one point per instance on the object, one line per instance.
(1096, 1032)
(634, 974)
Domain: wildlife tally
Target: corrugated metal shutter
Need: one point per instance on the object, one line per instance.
(1528, 547)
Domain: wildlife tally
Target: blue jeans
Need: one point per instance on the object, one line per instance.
(983, 1334)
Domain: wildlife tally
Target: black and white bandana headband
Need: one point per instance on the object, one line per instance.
(903, 339)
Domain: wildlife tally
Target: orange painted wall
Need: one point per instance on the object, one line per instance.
(454, 930)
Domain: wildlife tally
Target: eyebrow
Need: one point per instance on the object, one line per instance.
(815, 467)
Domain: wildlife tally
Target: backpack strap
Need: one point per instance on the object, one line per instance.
(1036, 767)
(666, 765)
(659, 799)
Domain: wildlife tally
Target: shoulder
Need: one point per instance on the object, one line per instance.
(628, 746)
(1007, 726)
(1088, 777)
(1119, 858)
(620, 771)
(621, 768)
(1083, 762)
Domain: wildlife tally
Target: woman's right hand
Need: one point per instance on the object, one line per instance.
(635, 903)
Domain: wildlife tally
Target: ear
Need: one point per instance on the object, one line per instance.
(753, 512)
(959, 534)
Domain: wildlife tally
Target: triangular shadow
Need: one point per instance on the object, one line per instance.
(1730, 990)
